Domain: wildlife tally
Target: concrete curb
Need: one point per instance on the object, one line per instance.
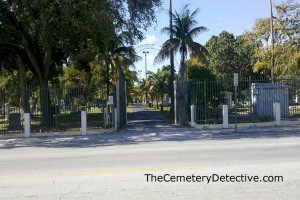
(245, 125)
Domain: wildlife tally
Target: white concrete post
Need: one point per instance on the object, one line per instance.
(277, 114)
(83, 123)
(116, 119)
(27, 124)
(175, 101)
(225, 116)
(193, 113)
(7, 111)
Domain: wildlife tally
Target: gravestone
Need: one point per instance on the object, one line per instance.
(14, 121)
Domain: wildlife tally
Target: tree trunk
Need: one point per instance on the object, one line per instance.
(24, 104)
(182, 93)
(172, 65)
(182, 66)
(40, 68)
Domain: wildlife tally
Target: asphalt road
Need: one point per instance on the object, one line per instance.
(113, 166)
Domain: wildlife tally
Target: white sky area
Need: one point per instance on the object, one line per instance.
(150, 39)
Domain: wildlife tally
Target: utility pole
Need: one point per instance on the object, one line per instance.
(272, 42)
(145, 52)
(172, 63)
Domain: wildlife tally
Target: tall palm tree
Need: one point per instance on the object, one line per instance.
(183, 30)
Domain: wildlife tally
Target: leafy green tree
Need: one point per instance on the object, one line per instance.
(205, 92)
(45, 33)
(228, 55)
(197, 70)
(73, 78)
(287, 51)
(287, 39)
(288, 22)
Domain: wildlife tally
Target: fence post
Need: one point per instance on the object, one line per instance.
(175, 101)
(193, 112)
(277, 114)
(27, 125)
(83, 123)
(225, 116)
(116, 119)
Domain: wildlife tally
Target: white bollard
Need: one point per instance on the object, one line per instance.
(225, 116)
(277, 113)
(193, 113)
(83, 123)
(116, 119)
(27, 124)
(7, 111)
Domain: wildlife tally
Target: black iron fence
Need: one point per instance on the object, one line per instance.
(55, 109)
(255, 98)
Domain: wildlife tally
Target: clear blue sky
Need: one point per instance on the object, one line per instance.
(234, 16)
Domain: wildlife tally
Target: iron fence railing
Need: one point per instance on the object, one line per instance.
(255, 98)
(54, 109)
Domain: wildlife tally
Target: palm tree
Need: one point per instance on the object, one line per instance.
(145, 86)
(116, 56)
(159, 82)
(183, 30)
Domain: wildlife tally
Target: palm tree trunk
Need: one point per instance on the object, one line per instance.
(182, 66)
(182, 93)
(172, 65)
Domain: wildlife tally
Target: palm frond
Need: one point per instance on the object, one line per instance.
(197, 30)
(167, 47)
(198, 51)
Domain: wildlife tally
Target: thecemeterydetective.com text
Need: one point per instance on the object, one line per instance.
(242, 178)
